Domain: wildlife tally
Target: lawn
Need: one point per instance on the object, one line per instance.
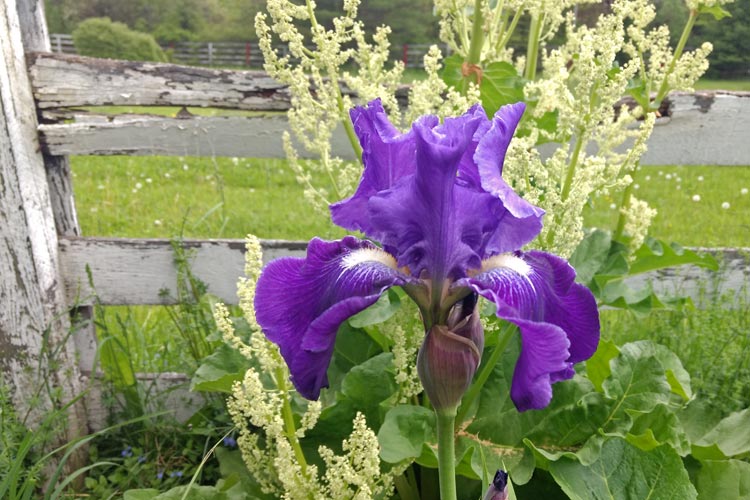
(165, 197)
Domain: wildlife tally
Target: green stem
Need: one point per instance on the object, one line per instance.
(532, 47)
(290, 430)
(405, 487)
(334, 76)
(568, 185)
(484, 374)
(446, 453)
(477, 35)
(509, 32)
(664, 88)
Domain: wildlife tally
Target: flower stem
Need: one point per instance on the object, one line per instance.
(664, 87)
(446, 452)
(334, 76)
(532, 47)
(290, 430)
(477, 34)
(484, 374)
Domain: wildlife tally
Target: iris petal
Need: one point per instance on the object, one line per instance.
(388, 155)
(519, 221)
(429, 221)
(301, 302)
(557, 318)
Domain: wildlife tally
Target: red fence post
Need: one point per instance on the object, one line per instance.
(405, 56)
(247, 53)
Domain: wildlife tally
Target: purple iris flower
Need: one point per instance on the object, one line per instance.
(450, 227)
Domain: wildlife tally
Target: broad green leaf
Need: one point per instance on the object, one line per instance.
(383, 309)
(370, 383)
(597, 367)
(452, 74)
(500, 85)
(655, 254)
(591, 254)
(218, 371)
(405, 430)
(623, 472)
(233, 470)
(677, 377)
(730, 438)
(658, 427)
(724, 479)
(637, 384)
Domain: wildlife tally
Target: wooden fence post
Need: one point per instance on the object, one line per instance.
(33, 312)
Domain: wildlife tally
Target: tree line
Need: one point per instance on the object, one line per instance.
(411, 22)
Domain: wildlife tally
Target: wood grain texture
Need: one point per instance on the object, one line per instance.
(254, 137)
(61, 80)
(139, 271)
(33, 313)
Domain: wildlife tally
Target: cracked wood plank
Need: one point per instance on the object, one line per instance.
(136, 271)
(62, 80)
(233, 136)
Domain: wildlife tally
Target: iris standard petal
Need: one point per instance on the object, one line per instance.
(387, 154)
(430, 222)
(519, 221)
(301, 302)
(557, 318)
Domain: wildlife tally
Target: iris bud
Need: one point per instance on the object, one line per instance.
(498, 490)
(450, 355)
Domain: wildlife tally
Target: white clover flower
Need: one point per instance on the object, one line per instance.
(725, 205)
(743, 191)
(138, 185)
(668, 177)
(696, 197)
(149, 180)
(157, 222)
(167, 175)
(185, 166)
(700, 178)
(100, 186)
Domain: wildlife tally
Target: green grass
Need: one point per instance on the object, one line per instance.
(221, 198)
(708, 84)
(671, 189)
(164, 197)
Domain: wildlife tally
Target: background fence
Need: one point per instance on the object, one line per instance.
(237, 54)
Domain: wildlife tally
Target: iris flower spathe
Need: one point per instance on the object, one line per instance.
(450, 227)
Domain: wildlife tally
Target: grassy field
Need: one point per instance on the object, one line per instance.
(226, 198)
(708, 84)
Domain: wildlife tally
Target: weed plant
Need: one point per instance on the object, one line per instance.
(712, 340)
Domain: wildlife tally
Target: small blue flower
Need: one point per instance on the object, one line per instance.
(127, 452)
(176, 474)
(141, 459)
(230, 442)
(160, 474)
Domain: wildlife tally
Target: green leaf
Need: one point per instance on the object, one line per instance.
(677, 377)
(453, 75)
(725, 479)
(597, 367)
(637, 384)
(623, 472)
(141, 494)
(658, 427)
(717, 11)
(501, 84)
(656, 254)
(405, 430)
(591, 254)
(383, 309)
(730, 438)
(370, 383)
(218, 371)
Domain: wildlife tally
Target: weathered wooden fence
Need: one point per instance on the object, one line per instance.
(238, 54)
(43, 256)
